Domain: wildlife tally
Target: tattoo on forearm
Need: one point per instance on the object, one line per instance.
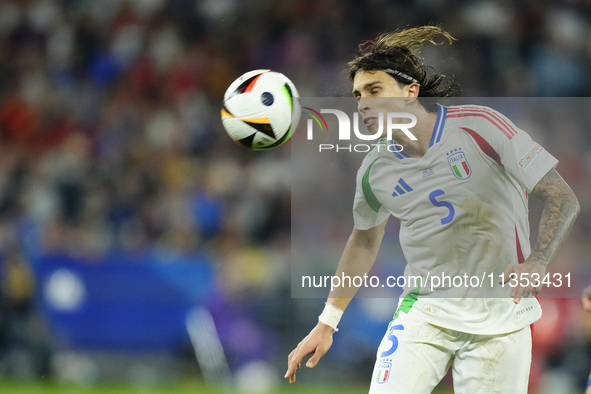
(561, 208)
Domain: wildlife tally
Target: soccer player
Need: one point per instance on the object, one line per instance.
(460, 192)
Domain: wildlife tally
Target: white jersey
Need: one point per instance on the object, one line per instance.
(463, 211)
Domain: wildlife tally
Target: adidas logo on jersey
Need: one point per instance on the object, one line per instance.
(401, 188)
(431, 309)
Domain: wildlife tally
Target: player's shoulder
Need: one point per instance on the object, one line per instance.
(481, 119)
(469, 107)
(472, 112)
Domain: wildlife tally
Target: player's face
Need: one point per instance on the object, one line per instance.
(371, 87)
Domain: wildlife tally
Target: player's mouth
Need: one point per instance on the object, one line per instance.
(369, 121)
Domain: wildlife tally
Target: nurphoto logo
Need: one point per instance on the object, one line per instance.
(393, 120)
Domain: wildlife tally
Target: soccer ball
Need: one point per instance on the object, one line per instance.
(261, 109)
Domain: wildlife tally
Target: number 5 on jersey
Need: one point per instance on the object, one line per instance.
(433, 198)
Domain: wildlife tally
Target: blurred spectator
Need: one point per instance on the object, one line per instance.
(24, 351)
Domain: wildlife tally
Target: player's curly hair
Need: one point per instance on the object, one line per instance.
(396, 53)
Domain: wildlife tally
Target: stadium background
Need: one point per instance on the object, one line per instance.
(124, 205)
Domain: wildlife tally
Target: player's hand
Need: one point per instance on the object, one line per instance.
(587, 299)
(524, 276)
(318, 341)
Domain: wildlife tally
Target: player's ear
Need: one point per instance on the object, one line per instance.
(412, 93)
(413, 90)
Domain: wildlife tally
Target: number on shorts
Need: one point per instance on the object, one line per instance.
(392, 339)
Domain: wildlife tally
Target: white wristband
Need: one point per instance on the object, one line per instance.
(331, 316)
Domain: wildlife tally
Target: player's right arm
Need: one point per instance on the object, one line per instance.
(357, 259)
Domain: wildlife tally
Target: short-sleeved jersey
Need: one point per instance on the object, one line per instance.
(463, 211)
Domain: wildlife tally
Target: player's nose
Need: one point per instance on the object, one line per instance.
(362, 105)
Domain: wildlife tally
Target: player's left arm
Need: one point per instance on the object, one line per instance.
(561, 208)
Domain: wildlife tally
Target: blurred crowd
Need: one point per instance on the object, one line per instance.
(110, 138)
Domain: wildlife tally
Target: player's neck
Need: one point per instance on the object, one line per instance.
(422, 131)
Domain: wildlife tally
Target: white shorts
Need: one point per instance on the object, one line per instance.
(414, 356)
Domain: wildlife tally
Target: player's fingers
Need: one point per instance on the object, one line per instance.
(587, 304)
(291, 364)
(536, 290)
(289, 358)
(516, 293)
(529, 290)
(508, 271)
(290, 374)
(320, 351)
(312, 362)
(296, 359)
(513, 291)
(294, 353)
